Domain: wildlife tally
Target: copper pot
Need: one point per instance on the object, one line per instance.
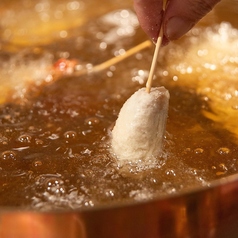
(210, 212)
(203, 212)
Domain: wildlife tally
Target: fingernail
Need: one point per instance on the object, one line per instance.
(177, 27)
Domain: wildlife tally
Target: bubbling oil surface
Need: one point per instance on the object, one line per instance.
(55, 139)
(54, 150)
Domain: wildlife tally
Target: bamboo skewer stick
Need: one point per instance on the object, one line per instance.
(115, 60)
(119, 58)
(155, 56)
(154, 61)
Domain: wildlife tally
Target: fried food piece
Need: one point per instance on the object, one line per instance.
(140, 127)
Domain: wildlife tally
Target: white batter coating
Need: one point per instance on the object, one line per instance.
(139, 130)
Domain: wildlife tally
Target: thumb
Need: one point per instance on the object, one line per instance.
(182, 15)
(149, 13)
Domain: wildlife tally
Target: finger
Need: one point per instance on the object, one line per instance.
(149, 13)
(182, 15)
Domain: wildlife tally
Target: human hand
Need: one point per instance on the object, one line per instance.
(180, 16)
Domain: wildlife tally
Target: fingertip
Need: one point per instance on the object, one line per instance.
(149, 13)
(176, 27)
(181, 16)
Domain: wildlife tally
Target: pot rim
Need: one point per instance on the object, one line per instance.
(218, 183)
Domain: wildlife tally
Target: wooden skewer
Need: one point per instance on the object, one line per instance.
(154, 61)
(155, 56)
(119, 58)
(113, 61)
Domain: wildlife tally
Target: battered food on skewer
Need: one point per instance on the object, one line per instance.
(139, 130)
(140, 127)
